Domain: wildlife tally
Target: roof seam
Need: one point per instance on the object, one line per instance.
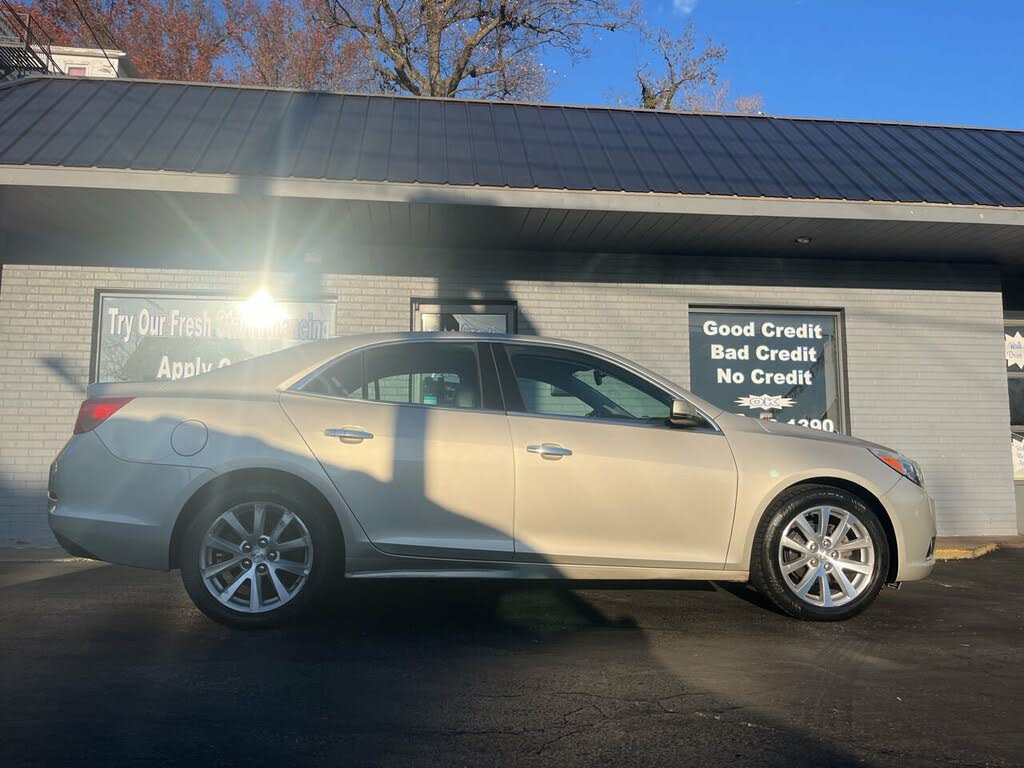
(86, 135)
(118, 134)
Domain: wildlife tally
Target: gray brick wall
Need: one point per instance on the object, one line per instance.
(923, 344)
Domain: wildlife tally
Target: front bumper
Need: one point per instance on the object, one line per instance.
(912, 512)
(118, 511)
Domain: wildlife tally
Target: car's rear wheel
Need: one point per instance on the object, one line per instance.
(820, 554)
(255, 557)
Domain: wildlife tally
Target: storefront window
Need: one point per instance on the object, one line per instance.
(492, 317)
(140, 336)
(1013, 335)
(778, 365)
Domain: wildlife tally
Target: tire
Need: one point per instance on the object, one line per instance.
(783, 569)
(289, 580)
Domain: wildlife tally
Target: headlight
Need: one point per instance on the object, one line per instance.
(909, 469)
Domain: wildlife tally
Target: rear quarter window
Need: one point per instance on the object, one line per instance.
(343, 378)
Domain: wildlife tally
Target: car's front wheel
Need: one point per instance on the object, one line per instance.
(255, 557)
(820, 554)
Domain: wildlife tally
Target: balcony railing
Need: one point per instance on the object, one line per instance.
(24, 45)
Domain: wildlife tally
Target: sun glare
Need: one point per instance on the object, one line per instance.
(260, 310)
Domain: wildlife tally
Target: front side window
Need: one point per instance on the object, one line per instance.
(441, 374)
(554, 382)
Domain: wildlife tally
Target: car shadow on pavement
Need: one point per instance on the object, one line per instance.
(400, 672)
(393, 672)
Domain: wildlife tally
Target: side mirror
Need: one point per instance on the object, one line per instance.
(685, 415)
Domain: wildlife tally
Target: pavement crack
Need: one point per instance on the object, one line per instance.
(550, 742)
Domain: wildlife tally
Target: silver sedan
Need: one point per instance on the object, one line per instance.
(468, 456)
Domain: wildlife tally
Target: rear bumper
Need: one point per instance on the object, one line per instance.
(912, 512)
(113, 510)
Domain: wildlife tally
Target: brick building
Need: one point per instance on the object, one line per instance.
(851, 276)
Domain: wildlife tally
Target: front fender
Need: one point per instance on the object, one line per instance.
(768, 465)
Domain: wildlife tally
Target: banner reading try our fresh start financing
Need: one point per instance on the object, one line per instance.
(778, 365)
(163, 337)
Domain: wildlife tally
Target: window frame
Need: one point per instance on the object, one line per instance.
(1013, 319)
(102, 293)
(490, 392)
(844, 425)
(516, 406)
(507, 307)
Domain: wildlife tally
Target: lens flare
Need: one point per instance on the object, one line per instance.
(261, 311)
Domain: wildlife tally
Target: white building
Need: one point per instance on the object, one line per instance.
(91, 62)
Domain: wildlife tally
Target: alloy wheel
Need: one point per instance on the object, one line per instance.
(255, 557)
(826, 556)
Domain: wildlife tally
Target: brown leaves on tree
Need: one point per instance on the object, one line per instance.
(166, 39)
(279, 43)
(51, 31)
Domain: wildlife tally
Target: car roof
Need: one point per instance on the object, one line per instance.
(329, 349)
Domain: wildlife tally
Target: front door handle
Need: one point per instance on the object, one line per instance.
(349, 434)
(549, 450)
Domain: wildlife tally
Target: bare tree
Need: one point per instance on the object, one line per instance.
(687, 77)
(473, 48)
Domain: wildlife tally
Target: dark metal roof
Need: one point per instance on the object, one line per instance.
(213, 129)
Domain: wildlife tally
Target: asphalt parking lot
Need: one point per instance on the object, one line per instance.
(103, 665)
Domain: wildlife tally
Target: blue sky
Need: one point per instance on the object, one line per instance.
(934, 61)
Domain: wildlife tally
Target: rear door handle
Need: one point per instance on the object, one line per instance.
(549, 450)
(349, 434)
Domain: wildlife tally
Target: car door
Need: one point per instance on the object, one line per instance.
(413, 436)
(601, 477)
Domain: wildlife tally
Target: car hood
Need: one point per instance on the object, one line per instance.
(793, 430)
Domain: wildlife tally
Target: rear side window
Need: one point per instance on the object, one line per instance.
(343, 378)
(445, 374)
(424, 373)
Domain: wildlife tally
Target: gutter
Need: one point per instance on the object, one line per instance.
(504, 197)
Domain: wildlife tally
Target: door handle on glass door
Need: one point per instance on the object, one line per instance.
(549, 450)
(349, 434)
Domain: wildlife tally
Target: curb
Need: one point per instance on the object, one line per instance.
(37, 555)
(58, 555)
(965, 553)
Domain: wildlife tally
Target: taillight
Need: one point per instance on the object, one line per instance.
(97, 410)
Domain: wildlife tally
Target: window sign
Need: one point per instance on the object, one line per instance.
(1013, 336)
(492, 317)
(782, 366)
(164, 336)
(1017, 453)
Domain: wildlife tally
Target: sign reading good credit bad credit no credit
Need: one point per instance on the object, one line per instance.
(774, 365)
